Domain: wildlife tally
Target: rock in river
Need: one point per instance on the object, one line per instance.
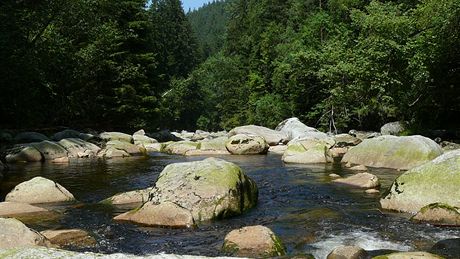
(108, 136)
(23, 154)
(14, 234)
(409, 255)
(166, 214)
(438, 214)
(393, 152)
(437, 181)
(361, 180)
(116, 148)
(16, 209)
(136, 196)
(78, 148)
(253, 241)
(181, 147)
(51, 151)
(272, 137)
(348, 252)
(69, 237)
(308, 151)
(208, 189)
(295, 129)
(39, 190)
(243, 144)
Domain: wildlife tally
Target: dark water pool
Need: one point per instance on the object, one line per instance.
(299, 203)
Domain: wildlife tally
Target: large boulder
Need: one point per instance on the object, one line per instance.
(136, 196)
(348, 252)
(434, 182)
(39, 190)
(243, 144)
(438, 214)
(295, 129)
(166, 214)
(393, 152)
(208, 189)
(308, 151)
(29, 137)
(78, 148)
(181, 147)
(253, 241)
(116, 149)
(109, 136)
(409, 255)
(14, 234)
(393, 128)
(272, 137)
(51, 151)
(69, 237)
(361, 180)
(23, 154)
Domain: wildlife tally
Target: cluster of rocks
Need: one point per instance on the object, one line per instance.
(27, 200)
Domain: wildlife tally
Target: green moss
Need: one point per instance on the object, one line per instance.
(296, 148)
(279, 249)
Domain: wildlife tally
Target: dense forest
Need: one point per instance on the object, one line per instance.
(335, 64)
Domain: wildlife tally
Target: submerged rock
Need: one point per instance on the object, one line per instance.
(23, 154)
(434, 182)
(253, 241)
(450, 248)
(308, 151)
(208, 189)
(30, 137)
(137, 196)
(393, 128)
(78, 148)
(110, 136)
(348, 252)
(39, 190)
(438, 214)
(272, 137)
(14, 234)
(16, 209)
(393, 152)
(409, 255)
(295, 129)
(166, 214)
(361, 180)
(69, 237)
(243, 144)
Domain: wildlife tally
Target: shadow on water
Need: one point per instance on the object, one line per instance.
(297, 202)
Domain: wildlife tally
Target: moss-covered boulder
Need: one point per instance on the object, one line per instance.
(14, 234)
(272, 137)
(393, 152)
(437, 181)
(243, 144)
(23, 154)
(210, 147)
(39, 190)
(308, 151)
(180, 148)
(438, 214)
(209, 189)
(409, 255)
(253, 241)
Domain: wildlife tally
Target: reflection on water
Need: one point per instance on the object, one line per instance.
(297, 202)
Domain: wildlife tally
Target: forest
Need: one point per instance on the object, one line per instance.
(130, 64)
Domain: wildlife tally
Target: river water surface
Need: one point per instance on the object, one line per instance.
(299, 203)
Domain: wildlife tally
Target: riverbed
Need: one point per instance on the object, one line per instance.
(298, 202)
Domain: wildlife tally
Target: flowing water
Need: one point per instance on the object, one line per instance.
(299, 203)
